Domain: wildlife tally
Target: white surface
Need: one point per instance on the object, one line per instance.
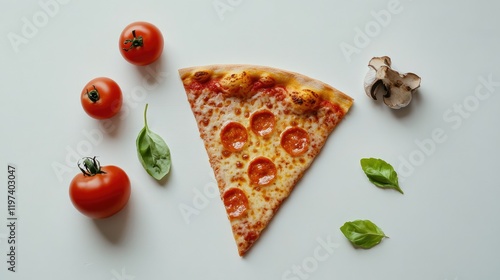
(445, 226)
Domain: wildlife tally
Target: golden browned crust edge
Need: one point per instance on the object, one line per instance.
(284, 77)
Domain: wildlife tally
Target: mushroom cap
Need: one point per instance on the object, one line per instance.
(372, 85)
(397, 98)
(377, 62)
(412, 80)
(399, 87)
(370, 79)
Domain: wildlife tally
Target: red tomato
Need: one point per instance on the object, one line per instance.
(141, 43)
(101, 98)
(99, 192)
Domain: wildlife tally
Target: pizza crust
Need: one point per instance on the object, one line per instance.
(294, 82)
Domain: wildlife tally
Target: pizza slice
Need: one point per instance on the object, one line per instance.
(262, 128)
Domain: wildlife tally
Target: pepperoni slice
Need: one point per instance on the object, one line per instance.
(262, 122)
(295, 141)
(262, 171)
(236, 202)
(234, 136)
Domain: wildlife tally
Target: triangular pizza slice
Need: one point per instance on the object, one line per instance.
(262, 128)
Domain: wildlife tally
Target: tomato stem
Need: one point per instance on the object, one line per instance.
(90, 166)
(93, 94)
(135, 42)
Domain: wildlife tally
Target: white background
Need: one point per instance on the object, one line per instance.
(445, 226)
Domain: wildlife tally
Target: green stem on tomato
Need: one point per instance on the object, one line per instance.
(93, 95)
(91, 166)
(135, 42)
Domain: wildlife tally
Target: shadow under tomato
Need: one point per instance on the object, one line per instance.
(112, 127)
(114, 228)
(153, 75)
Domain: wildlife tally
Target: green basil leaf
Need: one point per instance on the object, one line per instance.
(362, 233)
(380, 173)
(153, 152)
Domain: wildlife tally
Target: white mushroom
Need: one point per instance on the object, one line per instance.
(395, 88)
(374, 86)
